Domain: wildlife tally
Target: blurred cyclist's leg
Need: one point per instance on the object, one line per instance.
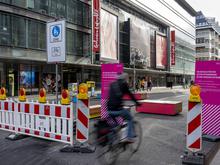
(125, 114)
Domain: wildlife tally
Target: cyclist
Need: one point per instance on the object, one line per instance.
(117, 90)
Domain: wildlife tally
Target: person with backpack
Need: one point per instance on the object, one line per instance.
(117, 90)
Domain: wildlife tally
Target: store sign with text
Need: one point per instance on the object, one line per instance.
(173, 55)
(96, 26)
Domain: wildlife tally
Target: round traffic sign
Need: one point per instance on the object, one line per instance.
(56, 31)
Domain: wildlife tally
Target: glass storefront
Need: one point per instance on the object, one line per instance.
(74, 11)
(27, 33)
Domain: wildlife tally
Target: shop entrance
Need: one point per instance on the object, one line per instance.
(11, 82)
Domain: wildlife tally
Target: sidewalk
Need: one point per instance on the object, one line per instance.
(52, 97)
(165, 89)
(216, 160)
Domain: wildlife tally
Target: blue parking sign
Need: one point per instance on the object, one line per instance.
(56, 31)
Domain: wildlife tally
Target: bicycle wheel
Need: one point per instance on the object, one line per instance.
(138, 137)
(108, 154)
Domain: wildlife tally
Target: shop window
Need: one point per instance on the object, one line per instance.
(61, 8)
(40, 6)
(69, 41)
(32, 34)
(21, 3)
(5, 29)
(19, 31)
(53, 8)
(5, 1)
(37, 37)
(42, 36)
(86, 15)
(71, 11)
(86, 44)
(79, 16)
(79, 43)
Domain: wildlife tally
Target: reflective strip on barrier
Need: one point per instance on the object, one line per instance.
(82, 130)
(194, 127)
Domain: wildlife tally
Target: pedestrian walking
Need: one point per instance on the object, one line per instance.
(149, 85)
(142, 83)
(146, 82)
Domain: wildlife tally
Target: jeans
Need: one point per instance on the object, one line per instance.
(125, 114)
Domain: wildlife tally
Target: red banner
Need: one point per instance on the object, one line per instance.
(96, 26)
(173, 54)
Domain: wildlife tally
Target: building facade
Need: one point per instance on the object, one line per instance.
(136, 25)
(207, 38)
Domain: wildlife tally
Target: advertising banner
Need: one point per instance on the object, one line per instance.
(49, 82)
(161, 52)
(208, 77)
(109, 39)
(173, 55)
(96, 26)
(140, 41)
(109, 74)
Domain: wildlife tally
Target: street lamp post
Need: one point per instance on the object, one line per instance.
(184, 85)
(134, 74)
(133, 57)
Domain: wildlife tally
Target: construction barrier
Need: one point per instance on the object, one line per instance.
(47, 121)
(8, 116)
(194, 129)
(82, 127)
(194, 120)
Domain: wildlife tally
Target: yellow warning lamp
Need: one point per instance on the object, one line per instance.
(65, 97)
(195, 91)
(83, 91)
(2, 93)
(42, 96)
(22, 95)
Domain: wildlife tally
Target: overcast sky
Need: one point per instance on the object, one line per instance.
(210, 8)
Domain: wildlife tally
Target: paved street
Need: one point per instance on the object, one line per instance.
(163, 142)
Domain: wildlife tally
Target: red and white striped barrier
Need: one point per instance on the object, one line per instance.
(7, 115)
(48, 121)
(194, 127)
(82, 127)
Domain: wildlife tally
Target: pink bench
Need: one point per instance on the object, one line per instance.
(160, 107)
(138, 96)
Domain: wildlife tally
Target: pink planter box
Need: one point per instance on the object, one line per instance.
(138, 96)
(160, 107)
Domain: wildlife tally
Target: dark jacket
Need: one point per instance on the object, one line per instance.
(116, 92)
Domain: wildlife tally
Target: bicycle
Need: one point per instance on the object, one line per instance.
(114, 146)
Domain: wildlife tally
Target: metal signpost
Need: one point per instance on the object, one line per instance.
(56, 45)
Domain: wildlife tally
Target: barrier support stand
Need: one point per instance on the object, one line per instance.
(16, 135)
(211, 138)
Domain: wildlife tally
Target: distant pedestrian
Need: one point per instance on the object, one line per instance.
(192, 83)
(142, 83)
(146, 82)
(149, 85)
